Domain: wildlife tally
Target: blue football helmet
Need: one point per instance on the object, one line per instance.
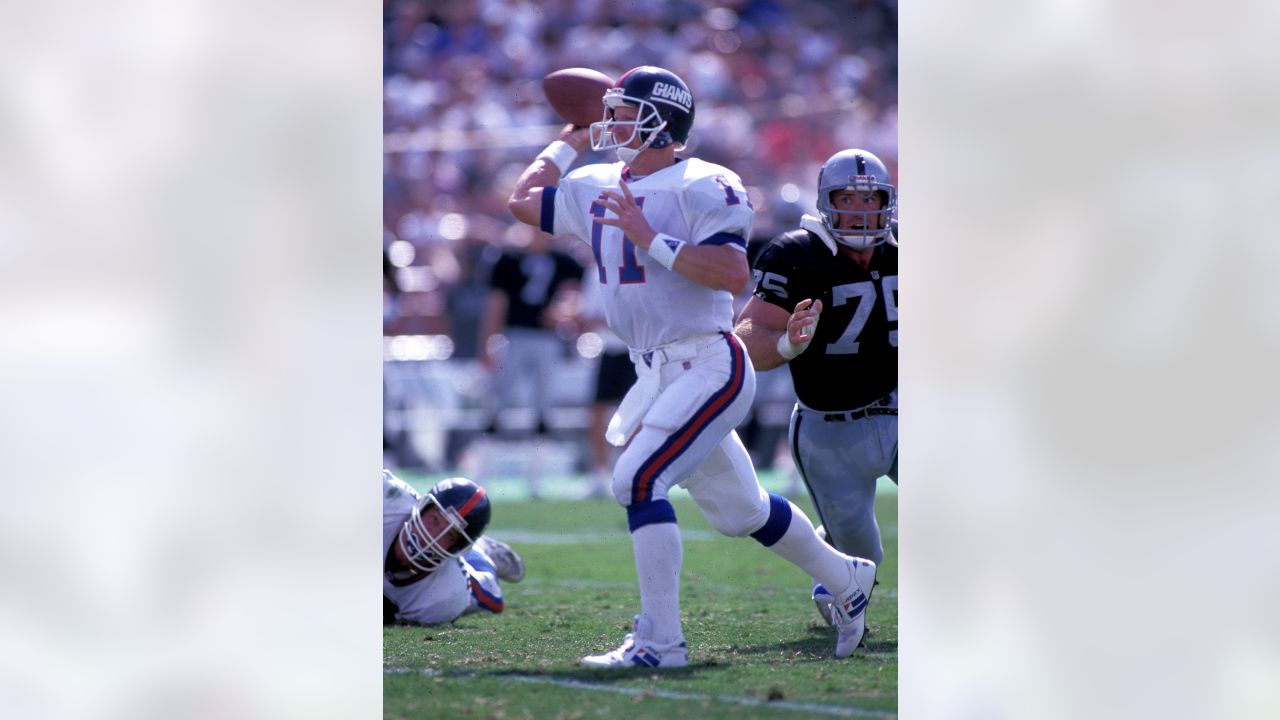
(465, 508)
(664, 112)
(861, 172)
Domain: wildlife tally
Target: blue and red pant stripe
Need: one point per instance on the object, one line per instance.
(685, 435)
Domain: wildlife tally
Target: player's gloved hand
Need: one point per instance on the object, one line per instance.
(801, 327)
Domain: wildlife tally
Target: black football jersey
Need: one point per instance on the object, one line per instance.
(530, 283)
(853, 358)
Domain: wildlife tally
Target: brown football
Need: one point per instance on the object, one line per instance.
(575, 94)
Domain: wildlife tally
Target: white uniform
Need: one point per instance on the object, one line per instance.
(701, 382)
(453, 589)
(646, 304)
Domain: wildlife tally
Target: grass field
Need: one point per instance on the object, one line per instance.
(756, 645)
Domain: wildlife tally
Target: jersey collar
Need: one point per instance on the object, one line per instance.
(628, 177)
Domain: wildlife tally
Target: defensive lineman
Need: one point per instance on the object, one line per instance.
(436, 564)
(669, 240)
(842, 266)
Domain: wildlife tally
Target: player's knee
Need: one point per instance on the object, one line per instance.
(624, 474)
(737, 520)
(621, 485)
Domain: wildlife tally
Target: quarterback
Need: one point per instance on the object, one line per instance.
(669, 239)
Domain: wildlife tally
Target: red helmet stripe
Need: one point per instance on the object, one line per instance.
(470, 504)
(624, 76)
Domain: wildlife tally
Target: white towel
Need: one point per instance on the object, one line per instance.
(635, 404)
(815, 226)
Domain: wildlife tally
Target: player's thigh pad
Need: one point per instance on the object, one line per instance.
(840, 464)
(695, 410)
(727, 491)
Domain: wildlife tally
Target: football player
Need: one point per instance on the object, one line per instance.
(437, 566)
(841, 266)
(669, 238)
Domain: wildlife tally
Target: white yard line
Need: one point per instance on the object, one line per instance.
(812, 708)
(536, 537)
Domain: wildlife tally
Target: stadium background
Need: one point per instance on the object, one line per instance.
(779, 85)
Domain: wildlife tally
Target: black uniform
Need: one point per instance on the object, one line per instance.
(534, 352)
(530, 283)
(853, 359)
(844, 431)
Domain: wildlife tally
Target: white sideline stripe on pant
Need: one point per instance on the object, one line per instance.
(838, 710)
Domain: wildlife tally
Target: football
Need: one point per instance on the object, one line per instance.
(575, 94)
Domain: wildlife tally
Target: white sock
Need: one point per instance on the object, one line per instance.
(801, 546)
(659, 555)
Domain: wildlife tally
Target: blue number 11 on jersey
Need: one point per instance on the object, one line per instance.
(630, 271)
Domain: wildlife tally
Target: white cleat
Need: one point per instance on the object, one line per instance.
(506, 561)
(638, 651)
(849, 611)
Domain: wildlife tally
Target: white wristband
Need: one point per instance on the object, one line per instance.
(665, 248)
(786, 349)
(561, 154)
(789, 351)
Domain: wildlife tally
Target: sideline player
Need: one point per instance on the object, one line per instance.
(842, 266)
(525, 285)
(436, 565)
(669, 240)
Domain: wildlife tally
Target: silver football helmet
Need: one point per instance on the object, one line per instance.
(862, 172)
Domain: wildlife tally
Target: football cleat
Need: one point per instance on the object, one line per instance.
(637, 650)
(506, 562)
(849, 611)
(823, 599)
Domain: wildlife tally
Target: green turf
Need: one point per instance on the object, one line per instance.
(756, 645)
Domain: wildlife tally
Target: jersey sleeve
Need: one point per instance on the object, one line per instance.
(721, 213)
(776, 279)
(562, 210)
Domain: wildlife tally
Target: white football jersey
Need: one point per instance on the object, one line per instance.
(646, 304)
(439, 597)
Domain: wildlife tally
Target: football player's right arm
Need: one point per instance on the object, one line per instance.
(762, 325)
(526, 199)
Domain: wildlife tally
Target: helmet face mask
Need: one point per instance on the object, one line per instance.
(458, 510)
(664, 113)
(866, 177)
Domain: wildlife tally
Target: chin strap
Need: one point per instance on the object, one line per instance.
(816, 226)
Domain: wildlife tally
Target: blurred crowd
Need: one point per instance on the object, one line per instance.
(779, 86)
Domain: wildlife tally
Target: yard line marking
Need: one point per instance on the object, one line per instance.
(535, 537)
